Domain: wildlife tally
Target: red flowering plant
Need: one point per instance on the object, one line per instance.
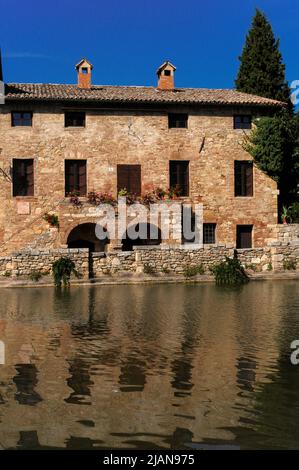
(100, 198)
(174, 192)
(131, 198)
(52, 219)
(74, 198)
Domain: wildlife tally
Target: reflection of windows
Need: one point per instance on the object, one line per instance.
(177, 120)
(23, 177)
(243, 178)
(21, 118)
(242, 122)
(179, 176)
(75, 177)
(209, 233)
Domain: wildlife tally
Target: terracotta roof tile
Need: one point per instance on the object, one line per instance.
(133, 94)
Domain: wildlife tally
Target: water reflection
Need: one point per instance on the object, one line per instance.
(166, 366)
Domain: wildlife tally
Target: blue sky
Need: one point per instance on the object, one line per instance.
(127, 40)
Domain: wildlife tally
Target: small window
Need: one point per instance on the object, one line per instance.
(75, 177)
(167, 73)
(21, 118)
(179, 177)
(84, 70)
(242, 122)
(244, 236)
(177, 120)
(243, 178)
(23, 177)
(209, 234)
(74, 119)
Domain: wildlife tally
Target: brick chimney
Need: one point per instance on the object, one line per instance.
(166, 76)
(84, 69)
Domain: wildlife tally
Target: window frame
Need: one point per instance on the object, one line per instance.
(122, 168)
(209, 225)
(172, 120)
(13, 124)
(67, 185)
(242, 124)
(246, 186)
(15, 170)
(186, 185)
(238, 226)
(71, 126)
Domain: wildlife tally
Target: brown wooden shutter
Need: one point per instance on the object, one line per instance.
(30, 177)
(122, 177)
(249, 179)
(238, 178)
(82, 177)
(135, 179)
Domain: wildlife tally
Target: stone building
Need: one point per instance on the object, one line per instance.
(58, 139)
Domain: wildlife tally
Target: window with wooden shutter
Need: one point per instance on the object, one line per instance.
(75, 177)
(179, 176)
(243, 178)
(23, 177)
(129, 178)
(244, 236)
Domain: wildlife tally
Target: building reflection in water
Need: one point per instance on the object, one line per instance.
(157, 366)
(26, 380)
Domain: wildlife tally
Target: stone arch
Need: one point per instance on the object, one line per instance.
(83, 236)
(127, 243)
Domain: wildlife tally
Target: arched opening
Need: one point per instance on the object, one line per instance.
(153, 237)
(84, 236)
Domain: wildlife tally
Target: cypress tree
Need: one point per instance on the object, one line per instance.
(262, 71)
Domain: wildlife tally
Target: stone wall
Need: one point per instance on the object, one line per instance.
(284, 233)
(155, 260)
(23, 263)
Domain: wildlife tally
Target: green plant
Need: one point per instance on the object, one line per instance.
(35, 275)
(62, 270)
(74, 199)
(165, 270)
(52, 219)
(230, 272)
(100, 198)
(269, 267)
(289, 265)
(293, 211)
(284, 214)
(130, 198)
(252, 267)
(148, 269)
(174, 192)
(190, 271)
(7, 274)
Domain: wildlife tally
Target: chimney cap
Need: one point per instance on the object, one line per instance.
(83, 62)
(164, 65)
